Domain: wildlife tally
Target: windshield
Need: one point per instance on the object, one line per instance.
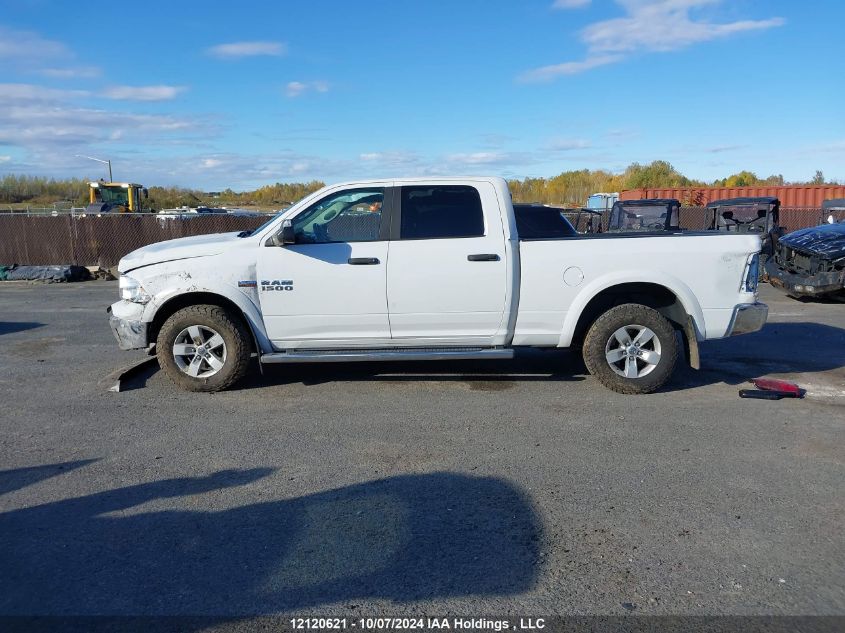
(639, 217)
(113, 195)
(744, 213)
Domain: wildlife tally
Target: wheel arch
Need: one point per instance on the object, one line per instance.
(677, 304)
(186, 299)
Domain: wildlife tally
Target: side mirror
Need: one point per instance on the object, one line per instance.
(286, 236)
(146, 192)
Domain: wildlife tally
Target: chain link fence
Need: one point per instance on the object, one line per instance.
(91, 240)
(88, 240)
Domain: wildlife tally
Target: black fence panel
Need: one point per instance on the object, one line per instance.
(103, 240)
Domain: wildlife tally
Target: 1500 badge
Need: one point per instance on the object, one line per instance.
(276, 284)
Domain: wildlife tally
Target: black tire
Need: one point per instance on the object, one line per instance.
(209, 318)
(601, 338)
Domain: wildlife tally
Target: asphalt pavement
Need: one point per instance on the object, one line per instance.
(507, 487)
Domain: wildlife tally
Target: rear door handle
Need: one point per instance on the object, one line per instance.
(363, 261)
(483, 257)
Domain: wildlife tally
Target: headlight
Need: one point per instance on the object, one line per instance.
(752, 274)
(132, 290)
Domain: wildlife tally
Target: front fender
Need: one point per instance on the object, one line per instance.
(164, 282)
(683, 292)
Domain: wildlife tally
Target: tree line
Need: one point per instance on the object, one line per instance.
(569, 187)
(573, 187)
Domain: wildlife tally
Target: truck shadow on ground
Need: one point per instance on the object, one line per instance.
(529, 365)
(779, 348)
(402, 538)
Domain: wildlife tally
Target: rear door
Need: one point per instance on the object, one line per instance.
(447, 274)
(329, 288)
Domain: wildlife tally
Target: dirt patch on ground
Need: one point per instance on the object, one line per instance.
(37, 347)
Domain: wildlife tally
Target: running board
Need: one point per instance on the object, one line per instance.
(363, 355)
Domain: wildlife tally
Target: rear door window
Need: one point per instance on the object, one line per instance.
(440, 212)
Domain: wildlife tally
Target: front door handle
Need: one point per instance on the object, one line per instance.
(363, 261)
(483, 257)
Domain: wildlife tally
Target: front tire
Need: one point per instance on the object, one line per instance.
(631, 349)
(203, 348)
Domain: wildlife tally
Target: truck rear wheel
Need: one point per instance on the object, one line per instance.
(203, 348)
(631, 348)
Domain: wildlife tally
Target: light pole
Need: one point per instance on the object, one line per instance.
(99, 160)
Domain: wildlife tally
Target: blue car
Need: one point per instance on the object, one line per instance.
(811, 262)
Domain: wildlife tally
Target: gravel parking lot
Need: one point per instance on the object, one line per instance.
(519, 487)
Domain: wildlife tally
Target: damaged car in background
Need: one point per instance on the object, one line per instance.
(811, 262)
(648, 215)
(759, 215)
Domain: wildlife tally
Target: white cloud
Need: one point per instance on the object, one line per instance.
(390, 159)
(45, 121)
(5, 159)
(547, 73)
(29, 52)
(662, 25)
(31, 93)
(477, 158)
(294, 89)
(28, 46)
(143, 93)
(647, 26)
(570, 4)
(568, 145)
(74, 72)
(237, 50)
(298, 88)
(220, 170)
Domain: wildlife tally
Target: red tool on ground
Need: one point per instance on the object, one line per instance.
(772, 389)
(774, 384)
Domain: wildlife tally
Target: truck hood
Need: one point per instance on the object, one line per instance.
(181, 248)
(827, 240)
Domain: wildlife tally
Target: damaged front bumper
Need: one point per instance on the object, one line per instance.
(747, 318)
(804, 285)
(126, 325)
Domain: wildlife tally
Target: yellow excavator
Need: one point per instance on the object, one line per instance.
(115, 197)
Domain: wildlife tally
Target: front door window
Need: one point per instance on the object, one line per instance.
(353, 215)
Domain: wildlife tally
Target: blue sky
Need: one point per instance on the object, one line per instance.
(220, 94)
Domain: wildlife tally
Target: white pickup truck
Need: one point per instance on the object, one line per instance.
(433, 269)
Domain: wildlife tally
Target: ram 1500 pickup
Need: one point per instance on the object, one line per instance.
(433, 269)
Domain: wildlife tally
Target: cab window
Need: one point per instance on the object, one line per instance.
(441, 211)
(352, 215)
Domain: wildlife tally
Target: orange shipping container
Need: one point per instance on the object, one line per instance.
(790, 196)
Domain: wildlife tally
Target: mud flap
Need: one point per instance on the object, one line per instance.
(691, 344)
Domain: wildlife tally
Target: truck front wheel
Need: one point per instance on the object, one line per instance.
(631, 348)
(203, 348)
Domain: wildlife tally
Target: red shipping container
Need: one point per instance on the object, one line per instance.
(790, 196)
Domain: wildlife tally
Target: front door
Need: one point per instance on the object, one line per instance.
(329, 288)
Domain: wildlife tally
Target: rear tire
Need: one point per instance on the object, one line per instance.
(203, 348)
(631, 349)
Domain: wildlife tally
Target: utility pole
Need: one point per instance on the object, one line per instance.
(99, 160)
